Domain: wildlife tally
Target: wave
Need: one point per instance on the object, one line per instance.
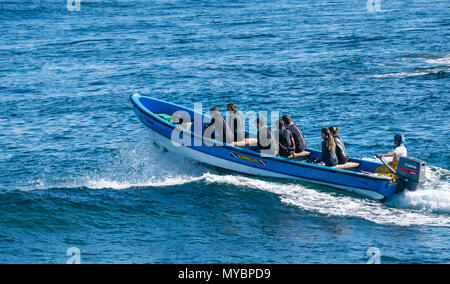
(427, 207)
(435, 201)
(445, 60)
(393, 75)
(439, 66)
(169, 181)
(433, 197)
(410, 209)
(146, 165)
(406, 74)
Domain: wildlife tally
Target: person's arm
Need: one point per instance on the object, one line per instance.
(293, 143)
(389, 154)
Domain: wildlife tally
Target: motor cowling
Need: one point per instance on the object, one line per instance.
(411, 173)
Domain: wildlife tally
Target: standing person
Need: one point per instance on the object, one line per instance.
(341, 152)
(300, 144)
(399, 151)
(266, 142)
(286, 143)
(235, 123)
(328, 148)
(219, 125)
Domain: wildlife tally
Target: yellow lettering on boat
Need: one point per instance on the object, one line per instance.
(253, 160)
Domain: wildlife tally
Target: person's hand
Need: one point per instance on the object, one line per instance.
(378, 156)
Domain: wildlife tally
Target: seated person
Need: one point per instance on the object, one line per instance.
(299, 139)
(399, 151)
(341, 152)
(219, 125)
(328, 148)
(286, 144)
(235, 123)
(266, 142)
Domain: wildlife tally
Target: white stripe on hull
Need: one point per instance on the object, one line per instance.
(238, 167)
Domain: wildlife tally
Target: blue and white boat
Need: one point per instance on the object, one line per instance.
(357, 176)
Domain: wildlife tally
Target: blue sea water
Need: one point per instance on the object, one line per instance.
(79, 170)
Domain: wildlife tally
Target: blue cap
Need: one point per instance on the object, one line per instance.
(400, 138)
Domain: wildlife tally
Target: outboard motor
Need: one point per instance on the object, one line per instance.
(411, 173)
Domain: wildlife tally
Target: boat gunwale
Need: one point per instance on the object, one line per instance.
(153, 116)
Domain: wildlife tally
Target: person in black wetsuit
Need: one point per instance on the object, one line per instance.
(341, 152)
(299, 139)
(286, 143)
(266, 142)
(219, 125)
(328, 148)
(234, 121)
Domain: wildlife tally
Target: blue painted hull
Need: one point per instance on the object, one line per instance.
(246, 161)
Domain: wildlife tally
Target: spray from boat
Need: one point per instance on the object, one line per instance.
(429, 206)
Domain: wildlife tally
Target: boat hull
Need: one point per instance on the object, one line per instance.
(248, 162)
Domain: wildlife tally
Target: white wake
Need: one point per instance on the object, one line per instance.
(148, 166)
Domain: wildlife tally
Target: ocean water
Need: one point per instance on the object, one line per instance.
(79, 170)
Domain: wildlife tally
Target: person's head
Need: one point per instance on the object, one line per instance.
(259, 122)
(232, 107)
(399, 139)
(334, 130)
(213, 111)
(279, 124)
(326, 135)
(286, 119)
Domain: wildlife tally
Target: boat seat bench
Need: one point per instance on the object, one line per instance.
(302, 154)
(246, 142)
(348, 165)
